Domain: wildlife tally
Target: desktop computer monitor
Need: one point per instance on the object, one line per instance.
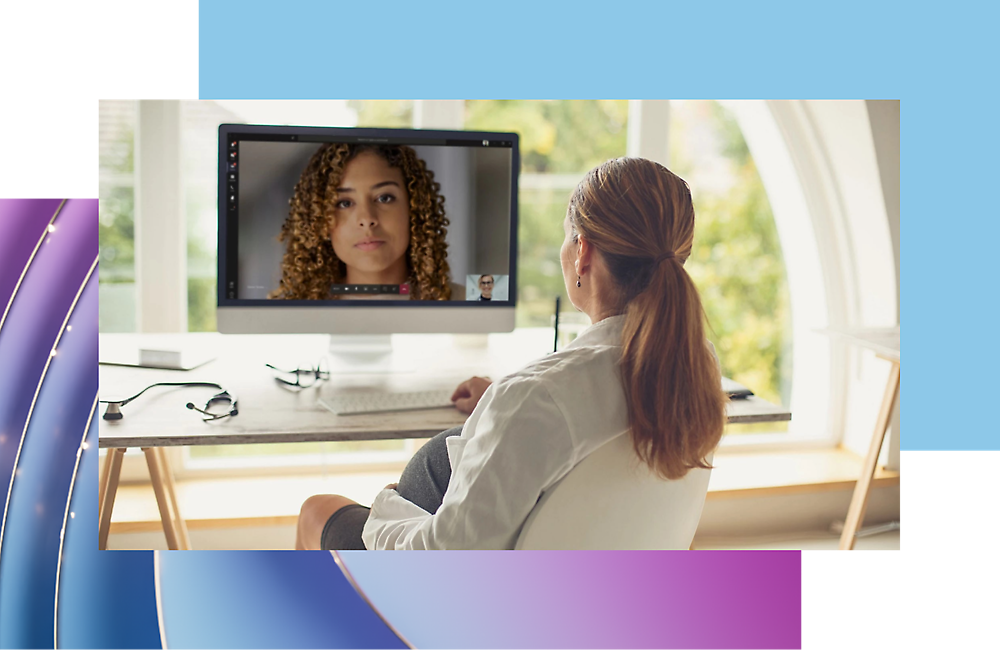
(366, 231)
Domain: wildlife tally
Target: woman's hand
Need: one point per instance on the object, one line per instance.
(391, 486)
(468, 393)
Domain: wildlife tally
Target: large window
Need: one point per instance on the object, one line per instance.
(116, 195)
(737, 262)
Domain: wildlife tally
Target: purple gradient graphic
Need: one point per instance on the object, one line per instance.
(35, 514)
(586, 599)
(35, 318)
(22, 222)
(105, 599)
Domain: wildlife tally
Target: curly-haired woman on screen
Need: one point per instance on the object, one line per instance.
(365, 214)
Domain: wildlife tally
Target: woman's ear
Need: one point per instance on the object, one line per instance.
(584, 253)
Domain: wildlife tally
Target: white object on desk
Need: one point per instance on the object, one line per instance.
(355, 403)
(163, 351)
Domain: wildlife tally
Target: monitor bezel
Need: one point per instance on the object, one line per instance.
(420, 135)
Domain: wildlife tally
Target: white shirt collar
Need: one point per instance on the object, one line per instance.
(604, 332)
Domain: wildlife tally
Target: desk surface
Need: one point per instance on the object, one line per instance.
(269, 413)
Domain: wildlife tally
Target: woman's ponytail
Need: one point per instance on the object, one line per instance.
(640, 217)
(672, 385)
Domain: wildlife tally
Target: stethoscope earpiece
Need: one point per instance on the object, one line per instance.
(114, 411)
(224, 396)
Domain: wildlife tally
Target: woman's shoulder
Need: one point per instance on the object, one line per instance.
(577, 390)
(457, 291)
(554, 375)
(572, 361)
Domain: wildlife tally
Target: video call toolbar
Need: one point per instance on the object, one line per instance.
(394, 289)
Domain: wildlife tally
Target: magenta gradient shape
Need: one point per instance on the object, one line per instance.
(586, 599)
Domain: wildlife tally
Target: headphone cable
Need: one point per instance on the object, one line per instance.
(204, 384)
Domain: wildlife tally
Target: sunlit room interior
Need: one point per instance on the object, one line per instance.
(796, 251)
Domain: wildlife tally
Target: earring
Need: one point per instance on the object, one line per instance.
(578, 280)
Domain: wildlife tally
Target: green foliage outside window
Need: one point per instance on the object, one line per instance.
(557, 137)
(737, 262)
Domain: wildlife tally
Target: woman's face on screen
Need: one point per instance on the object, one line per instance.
(370, 228)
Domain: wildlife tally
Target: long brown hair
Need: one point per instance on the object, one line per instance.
(310, 264)
(639, 216)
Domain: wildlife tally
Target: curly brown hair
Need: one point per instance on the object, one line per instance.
(310, 265)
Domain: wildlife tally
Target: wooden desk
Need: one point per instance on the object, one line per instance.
(269, 413)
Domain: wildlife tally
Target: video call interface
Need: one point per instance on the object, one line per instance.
(353, 218)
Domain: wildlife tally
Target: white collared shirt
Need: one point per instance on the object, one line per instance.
(527, 432)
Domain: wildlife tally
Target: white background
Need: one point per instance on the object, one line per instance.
(58, 59)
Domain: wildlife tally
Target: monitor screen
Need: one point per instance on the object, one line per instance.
(333, 220)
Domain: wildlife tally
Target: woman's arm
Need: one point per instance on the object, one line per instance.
(515, 445)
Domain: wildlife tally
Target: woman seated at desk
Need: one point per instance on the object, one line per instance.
(643, 367)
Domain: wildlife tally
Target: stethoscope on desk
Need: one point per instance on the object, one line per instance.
(114, 407)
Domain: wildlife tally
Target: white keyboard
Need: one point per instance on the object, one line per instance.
(358, 403)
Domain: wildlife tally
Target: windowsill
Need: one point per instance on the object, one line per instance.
(751, 474)
(275, 500)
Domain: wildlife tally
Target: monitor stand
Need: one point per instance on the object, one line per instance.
(363, 354)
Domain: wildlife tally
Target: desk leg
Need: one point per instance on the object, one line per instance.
(156, 477)
(179, 523)
(109, 487)
(856, 512)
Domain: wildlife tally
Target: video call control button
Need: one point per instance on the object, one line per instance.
(391, 289)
